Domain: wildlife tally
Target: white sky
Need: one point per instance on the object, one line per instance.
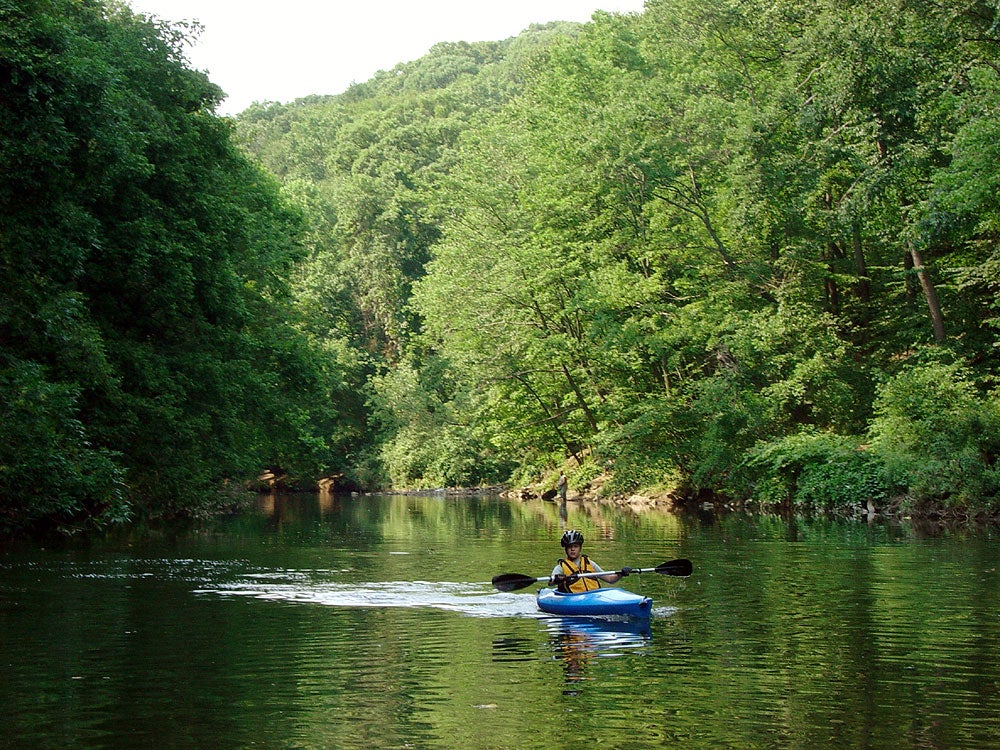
(261, 50)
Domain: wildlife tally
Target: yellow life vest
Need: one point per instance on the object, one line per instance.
(580, 584)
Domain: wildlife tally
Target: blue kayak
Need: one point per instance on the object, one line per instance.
(599, 602)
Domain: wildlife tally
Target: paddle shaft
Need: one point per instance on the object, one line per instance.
(514, 581)
(680, 568)
(614, 573)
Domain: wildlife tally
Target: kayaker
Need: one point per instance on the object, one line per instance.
(565, 573)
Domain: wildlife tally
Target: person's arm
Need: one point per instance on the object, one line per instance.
(609, 578)
(612, 577)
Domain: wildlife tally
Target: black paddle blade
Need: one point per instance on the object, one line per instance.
(513, 581)
(681, 567)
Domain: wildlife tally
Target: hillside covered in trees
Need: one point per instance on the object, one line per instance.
(743, 250)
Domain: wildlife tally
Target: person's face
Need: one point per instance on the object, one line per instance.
(573, 551)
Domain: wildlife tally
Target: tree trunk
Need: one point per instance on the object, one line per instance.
(550, 418)
(930, 294)
(591, 419)
(863, 288)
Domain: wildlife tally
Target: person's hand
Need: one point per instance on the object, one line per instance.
(558, 579)
(624, 572)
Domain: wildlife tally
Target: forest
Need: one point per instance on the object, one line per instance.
(726, 250)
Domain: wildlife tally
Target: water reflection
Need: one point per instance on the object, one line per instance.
(510, 647)
(361, 623)
(577, 641)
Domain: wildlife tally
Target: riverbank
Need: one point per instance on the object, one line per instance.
(900, 509)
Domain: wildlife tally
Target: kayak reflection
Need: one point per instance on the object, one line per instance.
(577, 641)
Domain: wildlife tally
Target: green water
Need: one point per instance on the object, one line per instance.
(369, 622)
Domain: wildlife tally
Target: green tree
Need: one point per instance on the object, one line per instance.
(938, 438)
(149, 340)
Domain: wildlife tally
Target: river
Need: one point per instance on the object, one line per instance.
(370, 622)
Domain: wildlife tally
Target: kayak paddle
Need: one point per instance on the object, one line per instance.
(515, 581)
